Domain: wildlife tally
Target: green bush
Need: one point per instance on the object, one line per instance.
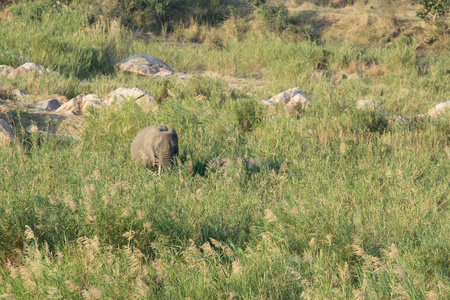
(275, 17)
(247, 114)
(433, 9)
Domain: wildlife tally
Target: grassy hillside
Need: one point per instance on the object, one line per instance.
(349, 205)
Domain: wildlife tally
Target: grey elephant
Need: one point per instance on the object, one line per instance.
(157, 146)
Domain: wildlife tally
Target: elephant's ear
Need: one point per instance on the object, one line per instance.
(172, 131)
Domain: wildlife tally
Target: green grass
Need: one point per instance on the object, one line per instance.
(348, 203)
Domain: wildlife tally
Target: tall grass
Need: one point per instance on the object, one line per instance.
(348, 204)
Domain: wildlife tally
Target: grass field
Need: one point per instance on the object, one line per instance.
(349, 205)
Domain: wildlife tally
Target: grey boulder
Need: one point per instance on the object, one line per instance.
(144, 64)
(48, 105)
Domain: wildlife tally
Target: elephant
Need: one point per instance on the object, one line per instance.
(157, 146)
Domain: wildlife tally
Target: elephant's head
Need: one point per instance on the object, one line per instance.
(165, 149)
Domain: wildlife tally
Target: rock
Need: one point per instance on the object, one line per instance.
(284, 97)
(140, 97)
(73, 106)
(80, 103)
(72, 112)
(439, 109)
(48, 105)
(29, 67)
(267, 102)
(91, 103)
(369, 105)
(148, 105)
(365, 104)
(292, 98)
(145, 65)
(92, 97)
(5, 70)
(7, 296)
(18, 93)
(7, 114)
(299, 100)
(32, 128)
(6, 133)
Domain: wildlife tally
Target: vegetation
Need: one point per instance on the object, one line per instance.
(434, 9)
(351, 204)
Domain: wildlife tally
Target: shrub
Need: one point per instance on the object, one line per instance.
(433, 9)
(247, 113)
(275, 17)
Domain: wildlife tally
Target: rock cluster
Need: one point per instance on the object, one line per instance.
(27, 67)
(291, 98)
(80, 103)
(439, 109)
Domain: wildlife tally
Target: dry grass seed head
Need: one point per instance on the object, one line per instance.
(400, 290)
(29, 234)
(71, 286)
(431, 295)
(270, 217)
(359, 295)
(358, 250)
(158, 265)
(237, 268)
(97, 175)
(399, 271)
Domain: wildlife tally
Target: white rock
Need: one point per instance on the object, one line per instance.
(92, 97)
(365, 104)
(30, 67)
(267, 102)
(121, 94)
(32, 128)
(73, 104)
(5, 70)
(48, 105)
(284, 97)
(19, 93)
(145, 65)
(72, 112)
(369, 105)
(6, 133)
(439, 109)
(91, 103)
(300, 100)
